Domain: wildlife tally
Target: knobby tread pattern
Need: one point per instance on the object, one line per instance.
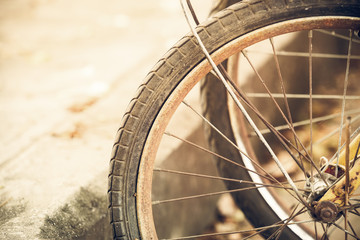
(238, 19)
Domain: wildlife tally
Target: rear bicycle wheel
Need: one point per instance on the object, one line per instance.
(150, 123)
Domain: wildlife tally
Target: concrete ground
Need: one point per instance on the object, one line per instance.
(67, 72)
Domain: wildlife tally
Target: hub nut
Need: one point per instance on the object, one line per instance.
(327, 211)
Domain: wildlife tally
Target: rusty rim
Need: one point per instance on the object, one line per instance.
(144, 185)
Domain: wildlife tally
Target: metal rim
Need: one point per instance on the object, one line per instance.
(144, 183)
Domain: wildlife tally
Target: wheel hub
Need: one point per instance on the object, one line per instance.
(317, 186)
(327, 211)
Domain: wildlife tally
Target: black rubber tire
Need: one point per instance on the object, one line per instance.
(225, 26)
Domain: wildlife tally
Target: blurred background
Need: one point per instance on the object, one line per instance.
(67, 72)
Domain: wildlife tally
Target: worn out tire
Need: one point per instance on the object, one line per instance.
(166, 75)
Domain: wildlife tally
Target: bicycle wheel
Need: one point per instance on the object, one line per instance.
(244, 165)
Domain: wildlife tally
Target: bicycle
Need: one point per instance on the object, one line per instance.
(294, 112)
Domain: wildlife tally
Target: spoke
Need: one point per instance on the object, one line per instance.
(200, 175)
(352, 229)
(351, 207)
(287, 222)
(234, 232)
(157, 202)
(271, 128)
(284, 95)
(303, 96)
(280, 78)
(307, 122)
(355, 133)
(279, 136)
(289, 119)
(323, 228)
(347, 175)
(325, 235)
(228, 140)
(334, 132)
(316, 231)
(333, 33)
(269, 177)
(344, 99)
(278, 232)
(276, 133)
(304, 54)
(310, 35)
(192, 11)
(348, 223)
(280, 186)
(355, 213)
(344, 230)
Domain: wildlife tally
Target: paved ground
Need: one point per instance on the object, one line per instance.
(67, 71)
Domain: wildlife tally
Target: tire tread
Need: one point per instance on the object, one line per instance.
(175, 64)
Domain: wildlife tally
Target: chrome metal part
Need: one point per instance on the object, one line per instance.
(317, 187)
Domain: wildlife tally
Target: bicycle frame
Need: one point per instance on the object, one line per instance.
(350, 181)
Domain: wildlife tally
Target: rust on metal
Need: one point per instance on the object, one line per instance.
(347, 185)
(327, 211)
(336, 194)
(353, 150)
(144, 184)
